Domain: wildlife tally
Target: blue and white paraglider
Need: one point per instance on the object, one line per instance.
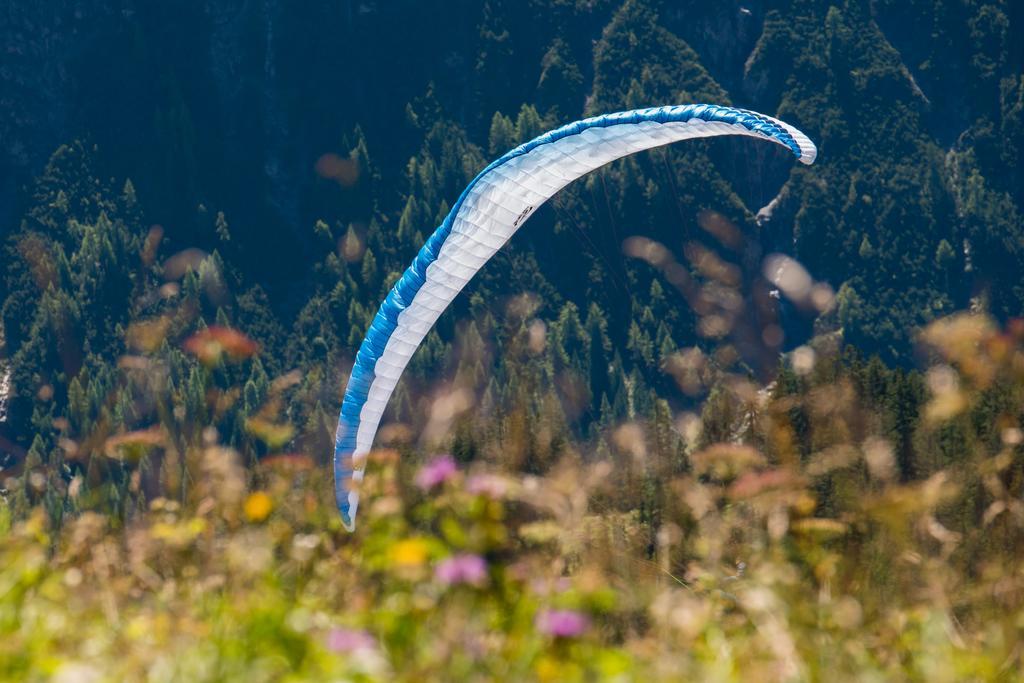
(494, 205)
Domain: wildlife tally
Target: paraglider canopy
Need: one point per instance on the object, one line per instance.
(490, 210)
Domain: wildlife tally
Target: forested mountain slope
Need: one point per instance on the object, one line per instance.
(710, 415)
(273, 166)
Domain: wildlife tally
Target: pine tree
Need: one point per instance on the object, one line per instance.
(503, 136)
(560, 91)
(221, 228)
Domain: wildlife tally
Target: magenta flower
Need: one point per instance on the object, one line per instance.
(437, 471)
(489, 485)
(471, 569)
(562, 623)
(349, 640)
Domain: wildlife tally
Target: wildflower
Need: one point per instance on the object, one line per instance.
(546, 586)
(465, 568)
(271, 433)
(489, 485)
(562, 623)
(362, 650)
(436, 472)
(76, 672)
(133, 445)
(211, 344)
(303, 547)
(349, 640)
(411, 552)
(258, 506)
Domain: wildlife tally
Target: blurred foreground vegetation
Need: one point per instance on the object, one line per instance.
(798, 549)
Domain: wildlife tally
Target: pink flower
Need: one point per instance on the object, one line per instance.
(437, 471)
(350, 640)
(562, 623)
(489, 485)
(471, 569)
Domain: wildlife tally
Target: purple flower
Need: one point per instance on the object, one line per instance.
(437, 471)
(562, 623)
(471, 569)
(349, 640)
(489, 485)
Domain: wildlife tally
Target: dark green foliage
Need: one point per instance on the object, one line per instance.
(308, 151)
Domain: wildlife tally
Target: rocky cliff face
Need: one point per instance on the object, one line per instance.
(724, 34)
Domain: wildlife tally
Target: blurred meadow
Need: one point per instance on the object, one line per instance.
(711, 415)
(792, 529)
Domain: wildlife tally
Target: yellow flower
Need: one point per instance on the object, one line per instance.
(258, 506)
(411, 552)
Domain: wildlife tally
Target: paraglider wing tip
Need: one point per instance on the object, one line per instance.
(808, 151)
(347, 512)
(344, 499)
